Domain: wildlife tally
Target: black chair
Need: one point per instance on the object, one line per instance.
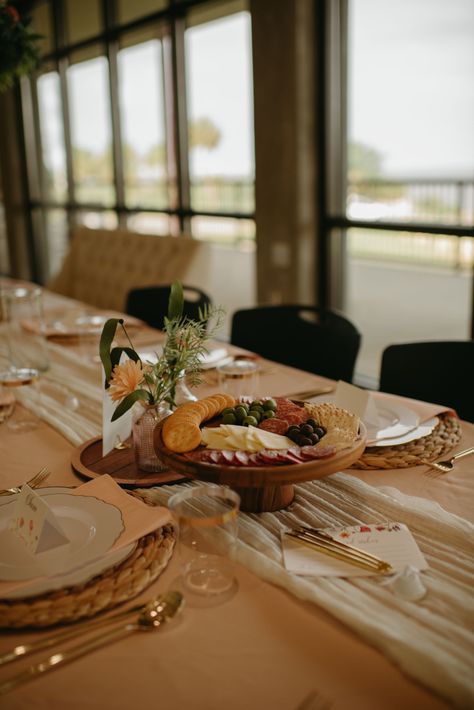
(441, 372)
(151, 303)
(306, 337)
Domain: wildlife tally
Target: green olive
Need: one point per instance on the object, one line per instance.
(240, 413)
(269, 414)
(228, 410)
(229, 418)
(270, 404)
(255, 413)
(250, 421)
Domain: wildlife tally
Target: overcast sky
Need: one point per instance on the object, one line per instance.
(411, 84)
(411, 90)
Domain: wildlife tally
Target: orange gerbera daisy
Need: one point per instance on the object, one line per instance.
(125, 379)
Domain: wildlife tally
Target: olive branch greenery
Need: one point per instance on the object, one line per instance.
(184, 348)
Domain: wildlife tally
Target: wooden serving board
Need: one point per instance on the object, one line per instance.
(88, 461)
(261, 488)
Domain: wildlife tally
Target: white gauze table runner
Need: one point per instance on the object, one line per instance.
(431, 640)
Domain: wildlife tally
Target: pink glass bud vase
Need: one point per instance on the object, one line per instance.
(146, 417)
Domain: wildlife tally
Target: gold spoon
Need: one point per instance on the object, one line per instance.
(151, 618)
(78, 630)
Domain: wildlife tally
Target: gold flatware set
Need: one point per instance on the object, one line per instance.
(148, 617)
(322, 542)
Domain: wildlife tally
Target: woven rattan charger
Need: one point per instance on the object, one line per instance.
(444, 437)
(114, 586)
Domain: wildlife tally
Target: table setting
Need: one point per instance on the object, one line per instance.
(367, 543)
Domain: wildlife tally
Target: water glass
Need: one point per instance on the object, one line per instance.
(23, 313)
(239, 377)
(207, 520)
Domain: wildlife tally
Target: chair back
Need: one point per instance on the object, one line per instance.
(441, 372)
(151, 303)
(307, 337)
(102, 266)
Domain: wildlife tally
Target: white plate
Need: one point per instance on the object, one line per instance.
(395, 420)
(208, 360)
(417, 433)
(91, 525)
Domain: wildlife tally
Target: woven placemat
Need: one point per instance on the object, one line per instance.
(114, 586)
(444, 437)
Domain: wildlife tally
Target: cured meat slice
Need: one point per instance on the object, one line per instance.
(295, 451)
(317, 452)
(295, 417)
(242, 458)
(215, 456)
(228, 457)
(270, 456)
(275, 425)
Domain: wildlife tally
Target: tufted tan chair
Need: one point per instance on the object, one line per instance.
(102, 266)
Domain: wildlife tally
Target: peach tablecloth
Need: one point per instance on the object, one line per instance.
(263, 648)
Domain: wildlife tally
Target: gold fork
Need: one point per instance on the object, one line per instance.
(446, 466)
(34, 482)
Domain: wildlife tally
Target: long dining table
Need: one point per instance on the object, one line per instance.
(275, 644)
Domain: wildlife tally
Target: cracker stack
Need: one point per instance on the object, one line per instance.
(181, 431)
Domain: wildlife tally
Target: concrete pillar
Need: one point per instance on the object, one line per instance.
(284, 89)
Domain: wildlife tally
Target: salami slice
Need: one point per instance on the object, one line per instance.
(294, 418)
(275, 425)
(242, 458)
(317, 452)
(270, 456)
(215, 456)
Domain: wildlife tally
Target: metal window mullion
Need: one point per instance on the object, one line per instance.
(66, 115)
(112, 49)
(181, 121)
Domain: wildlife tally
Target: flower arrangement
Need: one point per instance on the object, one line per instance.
(133, 380)
(19, 52)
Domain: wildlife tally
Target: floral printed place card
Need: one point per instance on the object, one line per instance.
(34, 523)
(391, 542)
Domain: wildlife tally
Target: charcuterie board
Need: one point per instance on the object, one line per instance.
(263, 487)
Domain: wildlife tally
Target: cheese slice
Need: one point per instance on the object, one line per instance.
(235, 438)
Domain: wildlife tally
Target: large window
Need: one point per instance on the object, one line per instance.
(403, 223)
(142, 118)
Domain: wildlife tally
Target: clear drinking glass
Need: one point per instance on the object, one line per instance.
(207, 519)
(24, 332)
(239, 377)
(27, 353)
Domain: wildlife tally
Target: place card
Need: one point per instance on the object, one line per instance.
(391, 542)
(359, 402)
(113, 433)
(34, 523)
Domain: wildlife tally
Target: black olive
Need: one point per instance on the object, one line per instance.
(320, 431)
(304, 441)
(314, 438)
(307, 429)
(312, 422)
(294, 436)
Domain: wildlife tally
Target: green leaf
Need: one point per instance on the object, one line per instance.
(116, 354)
(106, 338)
(176, 301)
(130, 400)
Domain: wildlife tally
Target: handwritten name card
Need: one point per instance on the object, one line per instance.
(34, 523)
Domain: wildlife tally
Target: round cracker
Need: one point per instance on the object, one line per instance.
(182, 437)
(213, 405)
